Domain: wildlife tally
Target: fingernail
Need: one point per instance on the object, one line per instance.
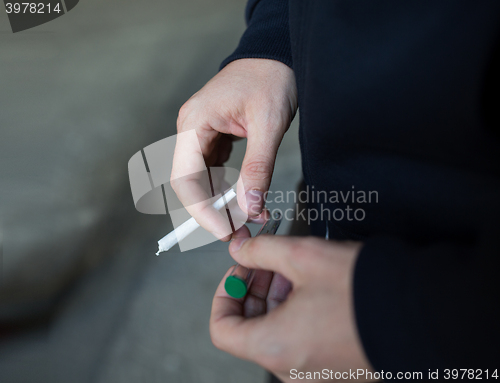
(255, 202)
(237, 243)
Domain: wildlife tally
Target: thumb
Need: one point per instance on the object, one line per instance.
(257, 169)
(269, 252)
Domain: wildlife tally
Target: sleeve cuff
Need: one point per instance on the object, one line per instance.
(267, 35)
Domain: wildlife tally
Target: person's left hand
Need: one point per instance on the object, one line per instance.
(300, 320)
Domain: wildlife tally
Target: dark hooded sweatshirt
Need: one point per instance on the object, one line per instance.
(401, 98)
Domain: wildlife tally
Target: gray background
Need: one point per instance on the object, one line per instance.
(82, 296)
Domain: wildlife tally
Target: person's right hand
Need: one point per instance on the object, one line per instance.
(251, 98)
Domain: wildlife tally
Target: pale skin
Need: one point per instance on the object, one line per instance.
(299, 311)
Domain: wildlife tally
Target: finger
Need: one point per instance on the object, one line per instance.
(229, 329)
(242, 232)
(255, 301)
(278, 291)
(266, 252)
(257, 168)
(239, 218)
(261, 218)
(191, 183)
(225, 146)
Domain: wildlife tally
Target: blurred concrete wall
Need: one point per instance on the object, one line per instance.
(78, 97)
(82, 297)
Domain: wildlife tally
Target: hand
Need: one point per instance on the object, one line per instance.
(314, 328)
(251, 98)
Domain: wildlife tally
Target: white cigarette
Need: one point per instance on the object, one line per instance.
(181, 232)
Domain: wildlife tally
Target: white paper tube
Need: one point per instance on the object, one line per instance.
(181, 232)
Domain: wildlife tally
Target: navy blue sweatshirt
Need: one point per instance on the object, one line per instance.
(398, 97)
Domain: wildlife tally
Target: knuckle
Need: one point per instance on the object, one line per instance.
(254, 246)
(298, 251)
(275, 357)
(175, 183)
(185, 111)
(276, 351)
(304, 252)
(312, 243)
(214, 337)
(187, 107)
(258, 169)
(274, 362)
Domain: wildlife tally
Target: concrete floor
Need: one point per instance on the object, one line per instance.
(82, 296)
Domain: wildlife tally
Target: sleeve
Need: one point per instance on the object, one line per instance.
(267, 35)
(421, 307)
